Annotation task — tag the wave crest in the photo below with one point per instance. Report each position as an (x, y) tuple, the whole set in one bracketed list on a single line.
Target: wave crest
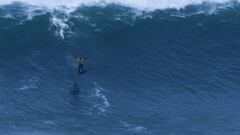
[(138, 4), (63, 13)]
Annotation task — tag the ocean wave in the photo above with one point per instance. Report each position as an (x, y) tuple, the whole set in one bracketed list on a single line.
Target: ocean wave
[(138, 4), (63, 13)]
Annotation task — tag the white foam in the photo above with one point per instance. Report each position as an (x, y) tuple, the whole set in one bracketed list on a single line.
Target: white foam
[(98, 93), (61, 26), (138, 4), (30, 83), (134, 128), (60, 22)]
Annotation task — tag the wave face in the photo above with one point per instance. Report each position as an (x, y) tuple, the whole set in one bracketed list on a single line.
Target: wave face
[(169, 71)]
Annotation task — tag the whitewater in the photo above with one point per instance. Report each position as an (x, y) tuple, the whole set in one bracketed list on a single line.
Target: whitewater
[(62, 10), (153, 67), (139, 4)]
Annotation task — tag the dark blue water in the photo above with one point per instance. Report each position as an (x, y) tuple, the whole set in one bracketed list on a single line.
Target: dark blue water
[(160, 73)]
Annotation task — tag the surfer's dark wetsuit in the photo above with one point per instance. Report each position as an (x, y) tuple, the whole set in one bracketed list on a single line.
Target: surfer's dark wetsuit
[(80, 62)]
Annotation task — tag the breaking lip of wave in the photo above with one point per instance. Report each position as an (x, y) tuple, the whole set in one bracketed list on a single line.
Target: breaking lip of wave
[(61, 11), (138, 4)]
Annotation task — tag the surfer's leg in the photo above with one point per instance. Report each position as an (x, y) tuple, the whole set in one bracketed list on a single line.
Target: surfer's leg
[(79, 69), (82, 69)]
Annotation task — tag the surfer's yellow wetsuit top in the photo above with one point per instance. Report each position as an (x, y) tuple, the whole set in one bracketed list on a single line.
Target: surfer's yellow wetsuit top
[(80, 61)]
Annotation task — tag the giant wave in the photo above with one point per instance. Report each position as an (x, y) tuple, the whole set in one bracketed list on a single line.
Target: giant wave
[(62, 12), (153, 67)]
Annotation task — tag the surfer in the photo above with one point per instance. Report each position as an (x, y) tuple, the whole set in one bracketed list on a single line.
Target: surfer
[(80, 61)]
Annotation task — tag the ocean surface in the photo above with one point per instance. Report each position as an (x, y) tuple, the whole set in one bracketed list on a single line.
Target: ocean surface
[(154, 67)]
